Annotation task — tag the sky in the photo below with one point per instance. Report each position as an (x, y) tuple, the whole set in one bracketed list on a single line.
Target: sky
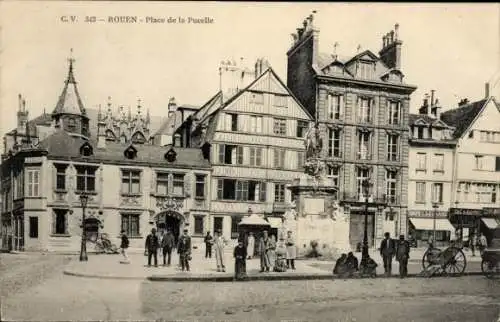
[(452, 48)]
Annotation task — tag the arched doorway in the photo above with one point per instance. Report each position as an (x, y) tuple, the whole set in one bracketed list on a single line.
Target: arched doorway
[(92, 228), (170, 220)]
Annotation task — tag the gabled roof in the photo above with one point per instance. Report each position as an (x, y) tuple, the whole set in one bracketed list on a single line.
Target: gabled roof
[(462, 117), (361, 54), (69, 101), (209, 107), (426, 120)]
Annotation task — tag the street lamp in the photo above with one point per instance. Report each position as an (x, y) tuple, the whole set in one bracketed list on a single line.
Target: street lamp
[(83, 250), (461, 226), (364, 252), (435, 206)]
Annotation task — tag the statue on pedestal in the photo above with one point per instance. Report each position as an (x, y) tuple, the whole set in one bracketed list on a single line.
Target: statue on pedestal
[(314, 144)]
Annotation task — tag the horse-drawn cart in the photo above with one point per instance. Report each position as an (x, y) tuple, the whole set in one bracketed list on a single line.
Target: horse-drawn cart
[(490, 264), (450, 261)]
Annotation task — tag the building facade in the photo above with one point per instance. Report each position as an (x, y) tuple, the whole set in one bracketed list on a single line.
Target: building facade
[(131, 183), (361, 105), (253, 132)]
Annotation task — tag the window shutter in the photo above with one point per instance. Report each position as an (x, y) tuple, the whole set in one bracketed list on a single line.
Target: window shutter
[(328, 106), (54, 219), (66, 219), (497, 164), (54, 177), (263, 191), (276, 158), (341, 103), (371, 116), (188, 184), (220, 189), (228, 122), (222, 148)]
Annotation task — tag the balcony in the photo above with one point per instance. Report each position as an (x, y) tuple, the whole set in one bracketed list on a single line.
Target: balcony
[(359, 199), (334, 154), (364, 156)]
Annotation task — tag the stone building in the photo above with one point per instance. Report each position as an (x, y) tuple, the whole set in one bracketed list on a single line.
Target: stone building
[(361, 104), (132, 184)]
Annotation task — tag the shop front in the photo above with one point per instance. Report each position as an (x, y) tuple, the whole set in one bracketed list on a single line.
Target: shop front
[(484, 221), (422, 229)]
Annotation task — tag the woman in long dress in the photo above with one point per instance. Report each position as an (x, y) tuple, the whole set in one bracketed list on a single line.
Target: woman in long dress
[(264, 246), (219, 252), (250, 245), (240, 267)]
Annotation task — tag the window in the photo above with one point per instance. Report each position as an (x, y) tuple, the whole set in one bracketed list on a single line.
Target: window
[(162, 183), (279, 158), (364, 110), (85, 179), (421, 162), (170, 183), (334, 106), (279, 192), (390, 188), (130, 224), (61, 177), (471, 134), (242, 190), (365, 70), (420, 132), (218, 223), (362, 175), (438, 162), (200, 186), (71, 123), (334, 143), (19, 185), (334, 174), (280, 100), (364, 145), (256, 157), (198, 225), (60, 222), (279, 127), (300, 160), (392, 147), (484, 193), (302, 127), (33, 227), (479, 162), (230, 154), (230, 189), (232, 122), (33, 183), (437, 192), (256, 124), (178, 184), (420, 190), (131, 181), (393, 113), (497, 164), (256, 98), (235, 220)]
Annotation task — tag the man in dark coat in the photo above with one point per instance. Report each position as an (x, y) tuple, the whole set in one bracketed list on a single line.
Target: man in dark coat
[(352, 264), (123, 246), (387, 251), (209, 241), (184, 250), (402, 255), (152, 245), (167, 244)]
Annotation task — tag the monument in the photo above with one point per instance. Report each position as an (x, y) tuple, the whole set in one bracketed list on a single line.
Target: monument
[(316, 214)]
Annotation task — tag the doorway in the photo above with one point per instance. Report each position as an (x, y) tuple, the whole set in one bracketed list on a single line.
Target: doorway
[(357, 228), (169, 220), (91, 229)]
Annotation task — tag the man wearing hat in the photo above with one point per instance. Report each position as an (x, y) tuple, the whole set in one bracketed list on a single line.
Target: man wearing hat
[(151, 246), (184, 250), (403, 255)]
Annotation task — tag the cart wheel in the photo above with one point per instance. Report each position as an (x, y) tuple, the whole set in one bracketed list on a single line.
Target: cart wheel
[(455, 261), (427, 259), (489, 268)]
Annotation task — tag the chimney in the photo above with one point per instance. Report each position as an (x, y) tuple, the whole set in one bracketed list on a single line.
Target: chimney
[(436, 109), (432, 97), (172, 107), (463, 102), (424, 109), (101, 138), (487, 90), (390, 53)]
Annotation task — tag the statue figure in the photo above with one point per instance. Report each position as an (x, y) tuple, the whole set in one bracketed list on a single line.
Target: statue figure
[(314, 143)]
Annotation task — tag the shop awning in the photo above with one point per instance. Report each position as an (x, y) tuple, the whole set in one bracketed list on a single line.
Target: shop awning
[(442, 224), (491, 223), (253, 220), (275, 222)]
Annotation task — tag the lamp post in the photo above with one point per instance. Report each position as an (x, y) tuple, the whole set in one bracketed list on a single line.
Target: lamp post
[(461, 226), (83, 250), (364, 252), (435, 206)]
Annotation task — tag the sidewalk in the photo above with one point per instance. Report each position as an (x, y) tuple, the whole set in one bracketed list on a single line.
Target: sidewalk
[(109, 267)]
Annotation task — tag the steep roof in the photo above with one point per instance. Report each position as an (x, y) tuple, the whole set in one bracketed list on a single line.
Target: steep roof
[(69, 101), (462, 117)]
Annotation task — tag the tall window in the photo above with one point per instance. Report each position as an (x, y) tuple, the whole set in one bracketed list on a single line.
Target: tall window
[(364, 145), (420, 132), (230, 189), (479, 162), (280, 100), (235, 220), (255, 156), (200, 185), (230, 154), (256, 124), (198, 225), (300, 160), (131, 181), (364, 110), (420, 192), (60, 222), (279, 192), (162, 183), (365, 70), (393, 113), (61, 177), (33, 227), (170, 183), (256, 98), (130, 224), (390, 181), (334, 143), (19, 185), (302, 127), (334, 106), (392, 147), (334, 174), (85, 179), (497, 164), (33, 183), (362, 175), (241, 190), (178, 184), (232, 122), (438, 162), (437, 192), (279, 127), (421, 162), (279, 158)]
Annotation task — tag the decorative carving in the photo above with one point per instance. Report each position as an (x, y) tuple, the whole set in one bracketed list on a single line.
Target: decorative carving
[(169, 203), (314, 143), (130, 200)]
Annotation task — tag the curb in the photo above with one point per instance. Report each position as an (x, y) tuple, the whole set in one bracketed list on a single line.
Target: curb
[(230, 278)]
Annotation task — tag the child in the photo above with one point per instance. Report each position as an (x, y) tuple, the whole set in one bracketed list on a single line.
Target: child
[(240, 266), (280, 265)]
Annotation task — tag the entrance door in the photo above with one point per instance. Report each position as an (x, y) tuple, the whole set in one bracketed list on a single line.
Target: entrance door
[(218, 223), (169, 221), (357, 227), (91, 228)]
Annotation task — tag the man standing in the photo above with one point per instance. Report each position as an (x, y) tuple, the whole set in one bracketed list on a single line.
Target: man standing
[(403, 255), (291, 251), (473, 243), (209, 240), (250, 245), (265, 245), (219, 252), (387, 250), (184, 250), (482, 243), (152, 247), (124, 245), (167, 244)]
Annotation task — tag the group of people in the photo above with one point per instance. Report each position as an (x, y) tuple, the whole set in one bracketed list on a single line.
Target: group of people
[(166, 243), (480, 243)]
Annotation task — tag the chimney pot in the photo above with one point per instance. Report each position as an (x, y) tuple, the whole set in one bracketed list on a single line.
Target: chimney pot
[(487, 90), (392, 36), (396, 29), (432, 97), (384, 40)]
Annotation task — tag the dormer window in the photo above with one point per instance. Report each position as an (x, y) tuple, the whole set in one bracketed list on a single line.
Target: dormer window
[(365, 70), (71, 123), (130, 153), (123, 139), (138, 137), (86, 150), (420, 132), (171, 155)]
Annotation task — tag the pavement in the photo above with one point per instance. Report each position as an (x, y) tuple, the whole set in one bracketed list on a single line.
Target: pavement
[(106, 266)]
